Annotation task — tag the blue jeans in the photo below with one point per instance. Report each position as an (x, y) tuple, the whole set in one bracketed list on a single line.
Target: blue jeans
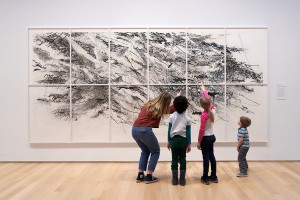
[(148, 143), (243, 164), (207, 147)]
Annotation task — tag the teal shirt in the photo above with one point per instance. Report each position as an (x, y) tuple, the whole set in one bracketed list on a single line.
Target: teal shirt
[(243, 132)]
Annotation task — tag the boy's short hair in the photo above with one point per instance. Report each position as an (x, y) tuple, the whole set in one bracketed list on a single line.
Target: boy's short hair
[(180, 104), (245, 121)]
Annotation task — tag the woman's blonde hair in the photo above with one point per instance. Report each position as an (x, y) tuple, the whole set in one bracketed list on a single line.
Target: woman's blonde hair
[(205, 104), (159, 106)]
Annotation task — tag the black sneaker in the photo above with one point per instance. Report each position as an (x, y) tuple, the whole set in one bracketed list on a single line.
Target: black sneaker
[(140, 177), (213, 179), (151, 179), (205, 180)]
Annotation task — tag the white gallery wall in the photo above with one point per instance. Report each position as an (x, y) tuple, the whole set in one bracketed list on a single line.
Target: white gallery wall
[(280, 17)]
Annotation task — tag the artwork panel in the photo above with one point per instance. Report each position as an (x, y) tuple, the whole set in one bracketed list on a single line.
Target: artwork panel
[(90, 114), (252, 102), (219, 127), (154, 91), (128, 51), (49, 114), (246, 55), (49, 56), (206, 56), (90, 56), (167, 56), (126, 102)]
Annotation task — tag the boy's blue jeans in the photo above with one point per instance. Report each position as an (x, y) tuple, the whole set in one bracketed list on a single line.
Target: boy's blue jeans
[(148, 143), (243, 164)]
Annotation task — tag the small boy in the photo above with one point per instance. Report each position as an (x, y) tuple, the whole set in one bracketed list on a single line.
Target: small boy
[(179, 138), (243, 145)]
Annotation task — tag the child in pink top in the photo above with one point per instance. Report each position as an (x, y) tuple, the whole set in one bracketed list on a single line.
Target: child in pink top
[(207, 138)]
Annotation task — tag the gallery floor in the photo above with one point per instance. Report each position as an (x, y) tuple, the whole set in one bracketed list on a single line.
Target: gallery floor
[(101, 180)]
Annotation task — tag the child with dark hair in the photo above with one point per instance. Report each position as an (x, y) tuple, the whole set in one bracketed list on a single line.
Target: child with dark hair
[(243, 145), (179, 138)]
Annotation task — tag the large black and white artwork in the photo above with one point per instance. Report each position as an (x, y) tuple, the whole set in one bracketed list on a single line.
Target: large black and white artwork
[(88, 85), (90, 56)]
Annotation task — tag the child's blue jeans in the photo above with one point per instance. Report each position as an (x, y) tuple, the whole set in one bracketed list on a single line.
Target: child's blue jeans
[(243, 164), (207, 147)]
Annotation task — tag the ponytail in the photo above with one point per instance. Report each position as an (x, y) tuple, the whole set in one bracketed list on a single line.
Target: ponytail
[(211, 116)]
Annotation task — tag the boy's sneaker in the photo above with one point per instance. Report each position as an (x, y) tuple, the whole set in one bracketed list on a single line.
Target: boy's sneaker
[(213, 179), (242, 175), (151, 179), (205, 180), (140, 177)]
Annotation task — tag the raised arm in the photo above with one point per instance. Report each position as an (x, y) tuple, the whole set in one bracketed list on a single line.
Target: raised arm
[(205, 94)]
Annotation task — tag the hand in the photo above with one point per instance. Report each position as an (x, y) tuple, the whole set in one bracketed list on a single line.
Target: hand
[(238, 148), (188, 148), (169, 146), (203, 88), (178, 94), (199, 145)]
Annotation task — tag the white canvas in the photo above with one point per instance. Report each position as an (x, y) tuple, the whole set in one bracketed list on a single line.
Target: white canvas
[(128, 56), (49, 111), (246, 55), (49, 56), (167, 56), (90, 56), (205, 49), (90, 114)]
